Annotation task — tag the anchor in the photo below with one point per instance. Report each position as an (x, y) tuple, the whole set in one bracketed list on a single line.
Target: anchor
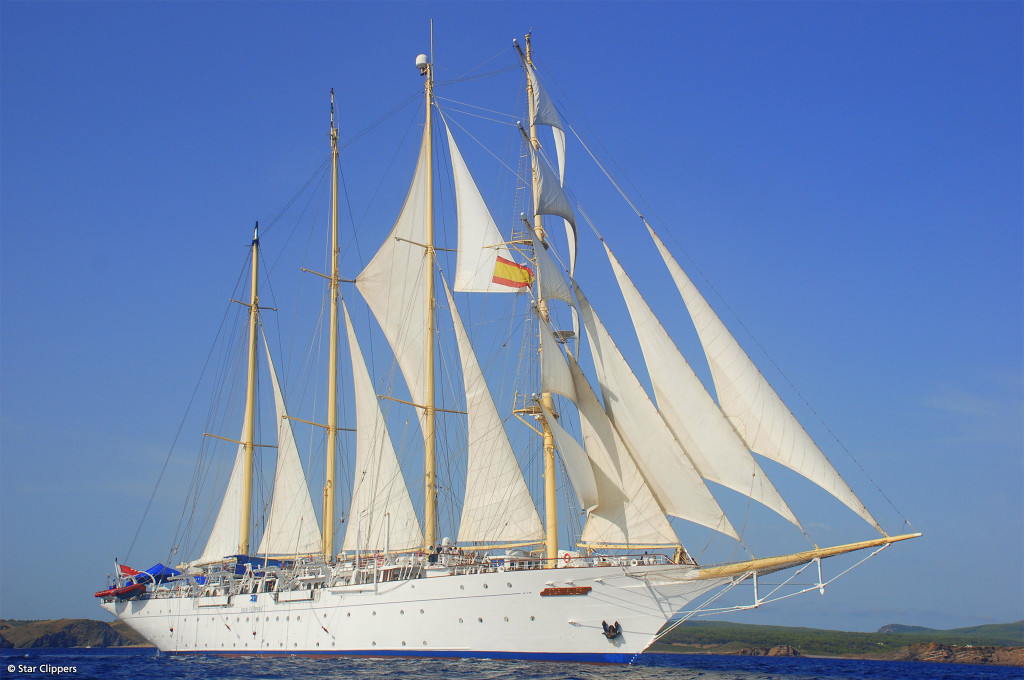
[(613, 631)]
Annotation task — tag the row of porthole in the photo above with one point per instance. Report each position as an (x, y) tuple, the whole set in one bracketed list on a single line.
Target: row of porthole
[(235, 644)]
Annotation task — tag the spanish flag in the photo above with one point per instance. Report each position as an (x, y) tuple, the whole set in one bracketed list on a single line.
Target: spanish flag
[(508, 273)]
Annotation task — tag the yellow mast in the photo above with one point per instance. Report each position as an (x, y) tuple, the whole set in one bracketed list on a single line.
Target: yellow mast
[(550, 488), (429, 432), (327, 546), (249, 424)]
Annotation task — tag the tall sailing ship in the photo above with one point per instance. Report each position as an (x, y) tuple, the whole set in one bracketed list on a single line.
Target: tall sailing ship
[(511, 584)]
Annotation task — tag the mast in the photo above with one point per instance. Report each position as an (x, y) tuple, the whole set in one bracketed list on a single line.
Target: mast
[(249, 424), (429, 432), (550, 488), (327, 546)]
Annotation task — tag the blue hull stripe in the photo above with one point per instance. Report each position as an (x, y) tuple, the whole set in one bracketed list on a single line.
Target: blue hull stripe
[(617, 658)]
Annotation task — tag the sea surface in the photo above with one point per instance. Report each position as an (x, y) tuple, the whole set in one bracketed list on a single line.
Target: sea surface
[(129, 664)]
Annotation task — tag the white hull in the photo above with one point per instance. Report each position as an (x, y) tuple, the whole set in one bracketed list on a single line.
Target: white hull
[(491, 615)]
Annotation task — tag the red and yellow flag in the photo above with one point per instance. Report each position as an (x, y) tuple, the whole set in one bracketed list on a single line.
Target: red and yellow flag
[(508, 273)]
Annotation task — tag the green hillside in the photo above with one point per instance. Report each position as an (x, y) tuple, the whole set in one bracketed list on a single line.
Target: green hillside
[(725, 637)]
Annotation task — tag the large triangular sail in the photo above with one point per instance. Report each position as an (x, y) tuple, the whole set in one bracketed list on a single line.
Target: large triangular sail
[(627, 512), (692, 415), (757, 412), (498, 506), (381, 515), (292, 527), (484, 263), (577, 463), (223, 540), (665, 465), (394, 283)]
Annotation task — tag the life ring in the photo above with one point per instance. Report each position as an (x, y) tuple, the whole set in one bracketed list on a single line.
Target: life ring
[(633, 562), (565, 558)]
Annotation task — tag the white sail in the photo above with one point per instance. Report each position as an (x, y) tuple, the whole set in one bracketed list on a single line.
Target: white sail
[(381, 514), (498, 506), (554, 371), (760, 417), (577, 463), (394, 283), (550, 280), (224, 536), (482, 265), (665, 465), (544, 113), (627, 511), (292, 527), (692, 415), (550, 198)]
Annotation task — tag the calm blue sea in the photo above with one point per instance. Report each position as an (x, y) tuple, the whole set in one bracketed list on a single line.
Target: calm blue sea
[(129, 664)]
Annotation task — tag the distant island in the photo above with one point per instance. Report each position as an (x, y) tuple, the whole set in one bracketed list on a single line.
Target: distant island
[(67, 633), (1001, 644)]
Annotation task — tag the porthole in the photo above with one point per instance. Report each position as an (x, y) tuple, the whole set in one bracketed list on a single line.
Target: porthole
[(533, 618), (509, 585), (485, 586), (480, 619), (348, 613), (421, 611), (462, 587), (460, 619), (506, 619), (401, 611), (375, 613), (403, 643), (374, 643)]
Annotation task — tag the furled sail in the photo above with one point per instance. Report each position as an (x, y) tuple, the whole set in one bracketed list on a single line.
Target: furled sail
[(292, 527), (498, 505), (394, 283), (664, 464), (224, 536), (484, 263), (760, 417), (627, 512), (380, 499), (692, 415)]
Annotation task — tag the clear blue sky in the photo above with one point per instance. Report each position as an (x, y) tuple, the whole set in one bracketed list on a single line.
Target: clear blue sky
[(848, 176)]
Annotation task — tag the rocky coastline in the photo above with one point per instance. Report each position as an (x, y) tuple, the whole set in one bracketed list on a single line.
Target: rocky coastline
[(67, 633)]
